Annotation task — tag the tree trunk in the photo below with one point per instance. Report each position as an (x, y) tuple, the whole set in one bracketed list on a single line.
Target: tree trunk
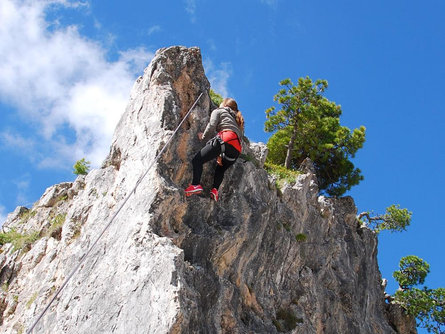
[(290, 148)]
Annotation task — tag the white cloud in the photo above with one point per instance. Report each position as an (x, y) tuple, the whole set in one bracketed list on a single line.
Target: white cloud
[(212, 45), (8, 138), (190, 8), (22, 184), (58, 78), (69, 3), (271, 3), (154, 29), (218, 76)]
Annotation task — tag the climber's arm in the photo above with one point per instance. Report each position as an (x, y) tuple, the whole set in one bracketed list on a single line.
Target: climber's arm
[(211, 127)]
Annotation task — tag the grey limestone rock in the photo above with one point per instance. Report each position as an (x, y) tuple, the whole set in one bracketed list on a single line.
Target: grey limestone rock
[(259, 151), (257, 261)]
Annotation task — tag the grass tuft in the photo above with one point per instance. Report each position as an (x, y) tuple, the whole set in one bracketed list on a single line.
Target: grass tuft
[(300, 237), (283, 174)]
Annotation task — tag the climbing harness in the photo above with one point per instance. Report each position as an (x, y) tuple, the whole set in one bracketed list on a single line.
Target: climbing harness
[(84, 256), (215, 141), (218, 140)]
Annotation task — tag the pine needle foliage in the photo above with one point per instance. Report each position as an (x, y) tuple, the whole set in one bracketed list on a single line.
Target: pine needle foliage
[(307, 125), (427, 305), (394, 219)]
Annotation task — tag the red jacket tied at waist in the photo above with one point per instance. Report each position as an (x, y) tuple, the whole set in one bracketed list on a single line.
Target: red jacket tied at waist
[(231, 138)]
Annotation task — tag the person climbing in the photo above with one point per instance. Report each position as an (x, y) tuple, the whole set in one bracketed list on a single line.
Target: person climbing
[(228, 122)]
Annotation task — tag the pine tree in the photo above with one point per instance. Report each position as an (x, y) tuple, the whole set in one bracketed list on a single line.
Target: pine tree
[(308, 125)]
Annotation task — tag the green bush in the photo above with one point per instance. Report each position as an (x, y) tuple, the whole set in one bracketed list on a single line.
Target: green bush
[(19, 240), (301, 237), (81, 167), (283, 174), (5, 238), (215, 97)]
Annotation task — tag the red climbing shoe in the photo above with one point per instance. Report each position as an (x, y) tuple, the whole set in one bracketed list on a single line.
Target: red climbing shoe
[(193, 190), (214, 194)]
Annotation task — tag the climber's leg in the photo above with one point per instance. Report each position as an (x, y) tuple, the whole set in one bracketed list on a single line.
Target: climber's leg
[(230, 152), (206, 154)]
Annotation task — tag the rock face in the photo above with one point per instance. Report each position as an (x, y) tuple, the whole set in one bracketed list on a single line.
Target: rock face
[(261, 260)]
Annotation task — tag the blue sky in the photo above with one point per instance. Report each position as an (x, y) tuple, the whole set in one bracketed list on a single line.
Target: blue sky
[(67, 68)]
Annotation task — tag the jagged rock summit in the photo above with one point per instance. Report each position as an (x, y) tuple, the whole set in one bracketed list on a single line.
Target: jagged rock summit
[(261, 260)]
